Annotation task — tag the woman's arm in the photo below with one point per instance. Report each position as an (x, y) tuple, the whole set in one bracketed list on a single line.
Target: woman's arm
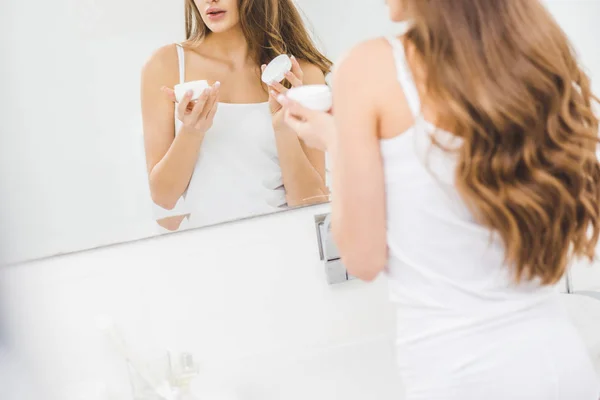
[(170, 159), (302, 167), (172, 223), (358, 203)]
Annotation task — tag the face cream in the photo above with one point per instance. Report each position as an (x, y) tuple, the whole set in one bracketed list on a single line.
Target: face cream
[(275, 71), (314, 97), (197, 87)]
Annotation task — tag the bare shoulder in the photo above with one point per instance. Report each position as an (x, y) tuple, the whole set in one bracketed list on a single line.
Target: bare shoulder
[(366, 64), (162, 65), (312, 73)]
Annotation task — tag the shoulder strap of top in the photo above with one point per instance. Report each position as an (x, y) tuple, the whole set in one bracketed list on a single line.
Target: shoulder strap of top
[(404, 75), (181, 58)]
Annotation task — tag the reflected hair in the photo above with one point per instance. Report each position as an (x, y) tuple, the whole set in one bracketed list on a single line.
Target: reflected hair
[(503, 77), (271, 28)]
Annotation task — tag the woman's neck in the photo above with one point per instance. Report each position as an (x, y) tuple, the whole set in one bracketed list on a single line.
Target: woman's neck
[(230, 46)]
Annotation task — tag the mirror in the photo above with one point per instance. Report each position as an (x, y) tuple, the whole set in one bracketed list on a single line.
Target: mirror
[(93, 150), (225, 152)]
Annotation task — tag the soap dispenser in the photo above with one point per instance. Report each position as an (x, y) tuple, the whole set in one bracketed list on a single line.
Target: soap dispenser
[(187, 371)]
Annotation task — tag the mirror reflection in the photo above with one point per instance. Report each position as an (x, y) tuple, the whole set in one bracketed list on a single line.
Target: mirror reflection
[(216, 144), (112, 151)]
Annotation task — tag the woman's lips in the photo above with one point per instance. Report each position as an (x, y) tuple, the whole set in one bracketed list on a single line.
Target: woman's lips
[(215, 15)]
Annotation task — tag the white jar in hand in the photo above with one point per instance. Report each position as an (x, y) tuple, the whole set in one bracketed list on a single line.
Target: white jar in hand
[(314, 97), (197, 87)]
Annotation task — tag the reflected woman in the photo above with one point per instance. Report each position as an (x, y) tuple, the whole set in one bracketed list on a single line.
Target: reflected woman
[(229, 154), (465, 167)]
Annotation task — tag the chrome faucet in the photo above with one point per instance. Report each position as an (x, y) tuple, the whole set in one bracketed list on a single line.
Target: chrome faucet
[(335, 272)]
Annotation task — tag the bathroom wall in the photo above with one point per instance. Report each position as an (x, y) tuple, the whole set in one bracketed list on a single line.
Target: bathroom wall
[(249, 299), (77, 175)]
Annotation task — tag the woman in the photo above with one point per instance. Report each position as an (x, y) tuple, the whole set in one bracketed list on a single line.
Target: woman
[(465, 167), (230, 155)]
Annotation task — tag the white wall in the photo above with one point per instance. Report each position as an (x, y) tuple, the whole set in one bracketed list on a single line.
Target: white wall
[(249, 299), (73, 171), (339, 25), (579, 19)]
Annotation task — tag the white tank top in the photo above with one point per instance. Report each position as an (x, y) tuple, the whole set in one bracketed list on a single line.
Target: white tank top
[(237, 174), (446, 273)]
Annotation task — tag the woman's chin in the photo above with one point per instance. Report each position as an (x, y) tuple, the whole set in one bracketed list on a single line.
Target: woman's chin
[(397, 18), (217, 30), (219, 27)]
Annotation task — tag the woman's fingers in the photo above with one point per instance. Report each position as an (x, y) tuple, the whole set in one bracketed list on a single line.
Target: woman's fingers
[(295, 109), (296, 70), (274, 94), (213, 111), (212, 99), (293, 121), (278, 87), (182, 107), (295, 76), (200, 103), (296, 116), (170, 93), (293, 79), (314, 128)]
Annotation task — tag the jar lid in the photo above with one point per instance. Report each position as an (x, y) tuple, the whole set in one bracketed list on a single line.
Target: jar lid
[(275, 71)]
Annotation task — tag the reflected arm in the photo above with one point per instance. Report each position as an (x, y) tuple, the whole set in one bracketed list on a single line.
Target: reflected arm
[(170, 159), (302, 168)]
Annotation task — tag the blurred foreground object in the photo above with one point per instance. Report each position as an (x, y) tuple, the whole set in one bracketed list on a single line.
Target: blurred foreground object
[(15, 382)]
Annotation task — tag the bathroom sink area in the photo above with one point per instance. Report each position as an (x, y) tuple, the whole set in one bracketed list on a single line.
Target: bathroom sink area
[(294, 337), (364, 370), (350, 372)]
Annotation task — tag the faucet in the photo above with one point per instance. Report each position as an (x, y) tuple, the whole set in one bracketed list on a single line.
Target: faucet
[(335, 272)]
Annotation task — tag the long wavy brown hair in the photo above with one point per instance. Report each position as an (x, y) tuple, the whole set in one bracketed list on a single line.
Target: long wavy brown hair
[(271, 28), (503, 76)]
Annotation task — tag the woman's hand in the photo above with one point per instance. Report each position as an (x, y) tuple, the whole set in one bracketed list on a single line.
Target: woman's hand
[(196, 116), (295, 78), (315, 128)]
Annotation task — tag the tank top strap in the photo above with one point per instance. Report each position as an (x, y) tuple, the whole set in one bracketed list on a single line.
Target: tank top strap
[(181, 59), (404, 75)]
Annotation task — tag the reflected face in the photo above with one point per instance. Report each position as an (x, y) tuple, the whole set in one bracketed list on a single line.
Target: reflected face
[(219, 15), (397, 10)]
